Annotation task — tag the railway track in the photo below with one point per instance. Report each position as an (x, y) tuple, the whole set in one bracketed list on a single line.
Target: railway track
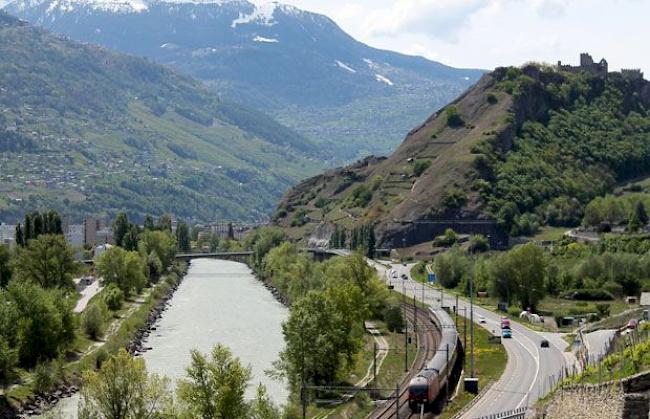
[(427, 345)]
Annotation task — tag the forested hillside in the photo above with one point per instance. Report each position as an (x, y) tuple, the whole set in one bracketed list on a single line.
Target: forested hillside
[(525, 147), (85, 130)]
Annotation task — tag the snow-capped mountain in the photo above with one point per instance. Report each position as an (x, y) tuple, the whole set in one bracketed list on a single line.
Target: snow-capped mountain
[(297, 66)]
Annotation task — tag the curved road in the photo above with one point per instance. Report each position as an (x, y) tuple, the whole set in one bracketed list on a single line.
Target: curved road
[(531, 370)]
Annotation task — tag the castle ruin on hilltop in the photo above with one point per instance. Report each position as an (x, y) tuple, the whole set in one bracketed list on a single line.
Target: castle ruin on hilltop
[(598, 69)]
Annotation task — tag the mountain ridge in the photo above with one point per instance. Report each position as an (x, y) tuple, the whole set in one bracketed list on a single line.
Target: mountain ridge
[(299, 67)]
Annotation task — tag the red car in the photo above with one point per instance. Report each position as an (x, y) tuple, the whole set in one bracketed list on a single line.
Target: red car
[(632, 324)]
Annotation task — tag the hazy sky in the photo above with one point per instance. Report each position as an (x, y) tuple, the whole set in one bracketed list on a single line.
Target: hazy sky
[(489, 33)]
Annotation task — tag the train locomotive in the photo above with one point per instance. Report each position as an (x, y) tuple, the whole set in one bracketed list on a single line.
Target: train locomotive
[(432, 381)]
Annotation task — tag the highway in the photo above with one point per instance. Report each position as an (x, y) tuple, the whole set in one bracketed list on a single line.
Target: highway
[(530, 370)]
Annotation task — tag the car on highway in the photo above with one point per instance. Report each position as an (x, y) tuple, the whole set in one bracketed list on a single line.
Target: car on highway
[(505, 322), (404, 276), (482, 320), (544, 343), (506, 333), (632, 324)]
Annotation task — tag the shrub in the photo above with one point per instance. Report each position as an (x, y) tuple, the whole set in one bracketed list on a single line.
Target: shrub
[(100, 356), (393, 318), (588, 294), (420, 166), (448, 239), (514, 311), (113, 297), (299, 219), (92, 321), (453, 198), (454, 119), (603, 309), (478, 244), (492, 99), (8, 360), (44, 378), (320, 202)]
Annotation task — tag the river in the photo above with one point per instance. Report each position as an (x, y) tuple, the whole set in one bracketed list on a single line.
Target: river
[(218, 302)]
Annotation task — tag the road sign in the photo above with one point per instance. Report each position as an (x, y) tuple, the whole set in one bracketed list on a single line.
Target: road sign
[(431, 277)]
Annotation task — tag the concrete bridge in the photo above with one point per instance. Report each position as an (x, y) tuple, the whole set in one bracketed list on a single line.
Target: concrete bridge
[(236, 256), (241, 256)]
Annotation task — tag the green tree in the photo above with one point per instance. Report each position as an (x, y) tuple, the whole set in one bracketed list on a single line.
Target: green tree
[(478, 244), (113, 297), (262, 407), (323, 335), (130, 241), (123, 389), (165, 223), (48, 261), (521, 273), (394, 318), (8, 360), (148, 223), (183, 237), (639, 217), (42, 321), (20, 236), (261, 241), (92, 321), (120, 228), (5, 266), (214, 388), (451, 267), (162, 243), (123, 269), (53, 224)]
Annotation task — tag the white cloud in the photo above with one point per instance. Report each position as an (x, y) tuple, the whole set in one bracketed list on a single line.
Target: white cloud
[(550, 8), (490, 33), (436, 18)]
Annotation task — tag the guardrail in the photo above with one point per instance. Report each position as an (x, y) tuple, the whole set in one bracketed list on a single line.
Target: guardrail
[(510, 414)]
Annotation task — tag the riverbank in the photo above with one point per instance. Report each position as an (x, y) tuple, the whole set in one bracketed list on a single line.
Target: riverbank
[(135, 324)]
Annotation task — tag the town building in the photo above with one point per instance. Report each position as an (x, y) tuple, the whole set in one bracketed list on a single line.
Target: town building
[(74, 234), (7, 234)]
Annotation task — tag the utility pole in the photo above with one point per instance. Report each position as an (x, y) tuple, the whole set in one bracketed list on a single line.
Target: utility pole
[(471, 323), (415, 306), (423, 292), (406, 331), (456, 309), (442, 296)]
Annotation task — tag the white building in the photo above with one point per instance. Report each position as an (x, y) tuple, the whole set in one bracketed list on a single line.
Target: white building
[(74, 235), (7, 234), (99, 250)]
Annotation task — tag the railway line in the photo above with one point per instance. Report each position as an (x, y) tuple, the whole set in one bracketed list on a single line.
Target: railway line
[(428, 338)]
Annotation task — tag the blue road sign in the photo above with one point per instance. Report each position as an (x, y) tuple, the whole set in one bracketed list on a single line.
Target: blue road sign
[(432, 277)]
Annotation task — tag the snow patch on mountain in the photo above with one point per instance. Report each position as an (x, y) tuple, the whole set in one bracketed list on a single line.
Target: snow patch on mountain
[(345, 67), (265, 40), (115, 6), (384, 79), (261, 14)]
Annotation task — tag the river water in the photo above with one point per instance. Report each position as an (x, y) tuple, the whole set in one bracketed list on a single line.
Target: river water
[(217, 302)]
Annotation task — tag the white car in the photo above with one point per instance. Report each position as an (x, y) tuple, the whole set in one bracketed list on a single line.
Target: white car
[(482, 320)]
